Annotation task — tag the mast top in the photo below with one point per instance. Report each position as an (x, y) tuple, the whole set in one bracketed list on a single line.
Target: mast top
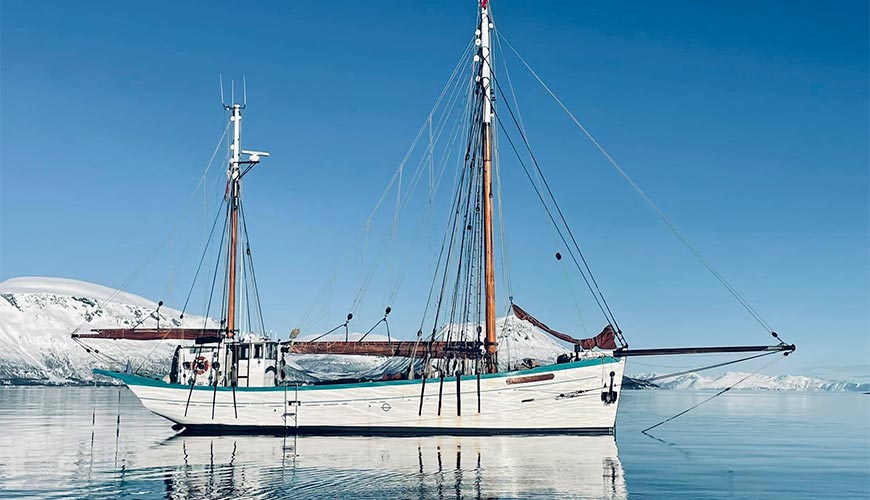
[(485, 64)]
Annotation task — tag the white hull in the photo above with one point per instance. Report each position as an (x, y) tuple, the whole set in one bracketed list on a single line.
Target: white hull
[(564, 398)]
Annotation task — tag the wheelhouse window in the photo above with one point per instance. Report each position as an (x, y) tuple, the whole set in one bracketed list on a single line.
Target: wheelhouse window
[(258, 351), (243, 352)]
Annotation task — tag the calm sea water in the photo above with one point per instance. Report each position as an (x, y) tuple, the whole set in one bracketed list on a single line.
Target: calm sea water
[(101, 443)]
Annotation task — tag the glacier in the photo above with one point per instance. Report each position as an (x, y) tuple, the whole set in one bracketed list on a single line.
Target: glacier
[(755, 382)]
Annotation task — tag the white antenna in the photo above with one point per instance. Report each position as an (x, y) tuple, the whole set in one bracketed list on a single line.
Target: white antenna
[(233, 91), (221, 78), (244, 91)]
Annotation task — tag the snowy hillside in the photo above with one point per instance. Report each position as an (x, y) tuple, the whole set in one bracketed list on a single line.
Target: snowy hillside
[(37, 316), (757, 382)]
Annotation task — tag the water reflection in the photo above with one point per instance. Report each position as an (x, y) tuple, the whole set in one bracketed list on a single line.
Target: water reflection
[(100, 443), (95, 443), (435, 467)]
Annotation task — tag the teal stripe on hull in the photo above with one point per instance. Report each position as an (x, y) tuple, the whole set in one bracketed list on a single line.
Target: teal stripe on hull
[(131, 379)]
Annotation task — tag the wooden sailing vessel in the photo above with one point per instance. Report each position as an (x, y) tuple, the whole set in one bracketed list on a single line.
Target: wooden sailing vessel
[(228, 380)]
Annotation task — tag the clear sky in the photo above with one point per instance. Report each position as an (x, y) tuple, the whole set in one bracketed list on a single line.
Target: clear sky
[(746, 121)]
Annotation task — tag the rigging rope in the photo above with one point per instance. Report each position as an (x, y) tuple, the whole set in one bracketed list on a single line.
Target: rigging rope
[(555, 224), (461, 300), (96, 353), (216, 267), (343, 325), (416, 139), (522, 129), (664, 217), (425, 219), (415, 180), (505, 258), (201, 260), (253, 275), (444, 244), (158, 248), (594, 283), (326, 289), (187, 241), (708, 367), (208, 306), (714, 396)]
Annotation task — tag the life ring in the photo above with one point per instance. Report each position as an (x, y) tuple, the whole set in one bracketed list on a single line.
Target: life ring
[(200, 364)]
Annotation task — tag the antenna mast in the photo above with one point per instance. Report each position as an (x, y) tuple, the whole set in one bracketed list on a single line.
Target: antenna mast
[(235, 175), (486, 130)]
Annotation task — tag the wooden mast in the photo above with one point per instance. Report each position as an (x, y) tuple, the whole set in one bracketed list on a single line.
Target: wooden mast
[(486, 141), (231, 302), (234, 175)]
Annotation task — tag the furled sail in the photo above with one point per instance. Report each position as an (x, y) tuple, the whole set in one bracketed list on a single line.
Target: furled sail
[(152, 334), (407, 349), (604, 340)]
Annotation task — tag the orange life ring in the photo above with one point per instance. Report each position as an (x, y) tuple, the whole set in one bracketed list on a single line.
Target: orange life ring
[(200, 364)]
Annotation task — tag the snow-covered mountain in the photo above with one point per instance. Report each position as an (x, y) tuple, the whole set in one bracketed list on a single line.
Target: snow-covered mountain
[(757, 382), (37, 316)]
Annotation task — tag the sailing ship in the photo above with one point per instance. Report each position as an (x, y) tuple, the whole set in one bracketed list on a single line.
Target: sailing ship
[(228, 380)]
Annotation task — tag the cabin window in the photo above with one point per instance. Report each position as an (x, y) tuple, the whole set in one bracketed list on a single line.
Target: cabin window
[(271, 352), (258, 351), (243, 352)]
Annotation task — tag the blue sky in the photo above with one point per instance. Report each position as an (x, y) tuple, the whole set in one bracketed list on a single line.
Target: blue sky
[(746, 121)]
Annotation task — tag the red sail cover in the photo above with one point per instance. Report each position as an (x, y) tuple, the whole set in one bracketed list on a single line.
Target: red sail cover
[(604, 340), (403, 348), (150, 333)]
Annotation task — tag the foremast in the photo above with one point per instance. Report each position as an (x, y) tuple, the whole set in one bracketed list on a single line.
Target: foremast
[(485, 80), (234, 189), (234, 175)]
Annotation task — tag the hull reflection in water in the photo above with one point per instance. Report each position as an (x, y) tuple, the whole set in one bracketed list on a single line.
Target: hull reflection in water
[(451, 467)]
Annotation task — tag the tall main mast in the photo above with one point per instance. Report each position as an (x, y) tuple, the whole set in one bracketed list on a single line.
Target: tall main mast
[(486, 140), (234, 180)]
